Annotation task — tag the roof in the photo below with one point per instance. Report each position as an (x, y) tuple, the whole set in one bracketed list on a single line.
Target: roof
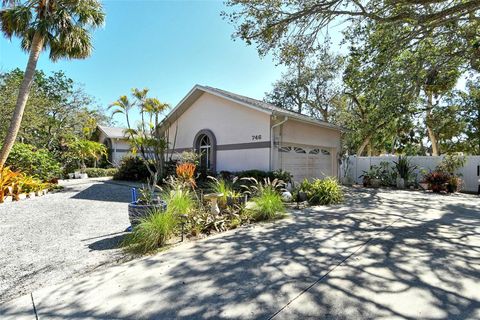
[(260, 105), (113, 132)]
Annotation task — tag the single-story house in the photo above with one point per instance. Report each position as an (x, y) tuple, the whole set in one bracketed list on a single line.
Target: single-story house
[(116, 142), (237, 133)]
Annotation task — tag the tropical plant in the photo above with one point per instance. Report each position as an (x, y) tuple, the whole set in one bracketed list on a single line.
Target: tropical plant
[(268, 204), (404, 169), (437, 180), (132, 169), (61, 26), (451, 163), (146, 139), (322, 191), (34, 162), (186, 173), (82, 151), (255, 187), (179, 200), (7, 178), (151, 233)]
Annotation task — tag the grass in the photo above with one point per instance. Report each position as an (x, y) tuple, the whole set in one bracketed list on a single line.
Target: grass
[(151, 233), (268, 205)]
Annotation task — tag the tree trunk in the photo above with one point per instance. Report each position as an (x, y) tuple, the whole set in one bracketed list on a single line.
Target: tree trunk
[(428, 122), (35, 50), (364, 144)]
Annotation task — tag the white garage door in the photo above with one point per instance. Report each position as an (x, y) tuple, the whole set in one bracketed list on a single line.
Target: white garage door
[(305, 161)]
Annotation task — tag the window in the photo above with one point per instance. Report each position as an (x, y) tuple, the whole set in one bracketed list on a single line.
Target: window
[(205, 147), (285, 149), (299, 150), (314, 151), (325, 152)]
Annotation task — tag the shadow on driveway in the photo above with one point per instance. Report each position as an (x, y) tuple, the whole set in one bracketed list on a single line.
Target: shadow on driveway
[(380, 255)]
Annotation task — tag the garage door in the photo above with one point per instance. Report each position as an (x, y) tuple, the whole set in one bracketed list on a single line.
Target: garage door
[(305, 161)]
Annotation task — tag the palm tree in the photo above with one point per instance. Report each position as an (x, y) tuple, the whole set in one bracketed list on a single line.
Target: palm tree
[(62, 26)]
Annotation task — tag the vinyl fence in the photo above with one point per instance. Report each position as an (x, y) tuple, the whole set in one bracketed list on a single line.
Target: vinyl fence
[(354, 167)]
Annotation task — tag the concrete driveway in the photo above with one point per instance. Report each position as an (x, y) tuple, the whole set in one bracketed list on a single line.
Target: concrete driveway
[(381, 255)]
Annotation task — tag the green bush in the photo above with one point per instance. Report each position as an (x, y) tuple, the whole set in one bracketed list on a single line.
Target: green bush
[(179, 201), (268, 205), (33, 161), (132, 169), (151, 233), (100, 172), (322, 192)]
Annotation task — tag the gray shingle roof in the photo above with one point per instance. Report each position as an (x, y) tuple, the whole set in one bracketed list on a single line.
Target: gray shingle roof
[(113, 132)]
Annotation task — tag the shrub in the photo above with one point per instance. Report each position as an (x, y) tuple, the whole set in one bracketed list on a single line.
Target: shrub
[(179, 201), (151, 233), (437, 180), (132, 169), (33, 161), (268, 204), (322, 191), (100, 172), (451, 163)]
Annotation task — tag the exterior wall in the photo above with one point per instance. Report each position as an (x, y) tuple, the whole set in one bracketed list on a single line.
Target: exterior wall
[(354, 166), (237, 130), (301, 133), (120, 149), (241, 160)]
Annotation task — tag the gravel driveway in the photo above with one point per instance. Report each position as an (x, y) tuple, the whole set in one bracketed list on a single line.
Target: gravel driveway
[(45, 240)]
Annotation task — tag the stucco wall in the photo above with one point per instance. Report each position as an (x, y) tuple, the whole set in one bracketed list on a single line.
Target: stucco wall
[(119, 150), (304, 133), (301, 133), (230, 122), (241, 160)]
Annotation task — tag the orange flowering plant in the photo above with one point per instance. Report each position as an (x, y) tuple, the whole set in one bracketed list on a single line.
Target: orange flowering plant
[(186, 173)]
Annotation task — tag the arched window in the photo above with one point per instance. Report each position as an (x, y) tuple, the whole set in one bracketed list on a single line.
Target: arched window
[(206, 145), (205, 149)]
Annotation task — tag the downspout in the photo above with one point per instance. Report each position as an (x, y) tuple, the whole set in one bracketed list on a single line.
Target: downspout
[(272, 138)]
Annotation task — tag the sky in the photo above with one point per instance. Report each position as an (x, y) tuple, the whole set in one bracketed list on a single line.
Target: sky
[(166, 46)]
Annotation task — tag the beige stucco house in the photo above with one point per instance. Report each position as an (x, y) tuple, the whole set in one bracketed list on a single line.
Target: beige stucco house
[(116, 142), (236, 133)]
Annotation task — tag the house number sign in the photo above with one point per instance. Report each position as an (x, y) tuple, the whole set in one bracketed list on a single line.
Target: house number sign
[(256, 137)]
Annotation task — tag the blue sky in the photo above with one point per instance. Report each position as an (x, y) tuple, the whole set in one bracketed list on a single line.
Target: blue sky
[(167, 46)]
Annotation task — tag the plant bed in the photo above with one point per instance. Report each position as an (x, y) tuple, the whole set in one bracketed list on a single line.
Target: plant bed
[(139, 210)]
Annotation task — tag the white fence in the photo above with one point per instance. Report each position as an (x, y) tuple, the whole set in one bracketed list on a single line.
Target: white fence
[(470, 173)]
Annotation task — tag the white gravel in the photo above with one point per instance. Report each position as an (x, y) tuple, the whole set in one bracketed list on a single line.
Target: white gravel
[(49, 239)]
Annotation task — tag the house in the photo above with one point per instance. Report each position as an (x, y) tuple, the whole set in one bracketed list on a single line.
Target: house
[(115, 141), (236, 133)]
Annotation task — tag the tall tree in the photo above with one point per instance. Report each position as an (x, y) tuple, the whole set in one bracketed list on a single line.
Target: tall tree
[(310, 86), (281, 25), (62, 26)]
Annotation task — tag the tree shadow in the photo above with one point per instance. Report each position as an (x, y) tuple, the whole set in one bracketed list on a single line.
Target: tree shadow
[(381, 254), (105, 191)]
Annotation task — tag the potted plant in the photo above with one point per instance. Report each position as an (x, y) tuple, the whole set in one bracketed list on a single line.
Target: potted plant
[(437, 181), (147, 203), (404, 171)]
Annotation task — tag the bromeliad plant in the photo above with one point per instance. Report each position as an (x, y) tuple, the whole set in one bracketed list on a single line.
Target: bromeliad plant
[(186, 174)]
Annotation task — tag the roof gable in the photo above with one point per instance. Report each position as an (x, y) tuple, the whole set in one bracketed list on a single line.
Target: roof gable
[(258, 105)]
